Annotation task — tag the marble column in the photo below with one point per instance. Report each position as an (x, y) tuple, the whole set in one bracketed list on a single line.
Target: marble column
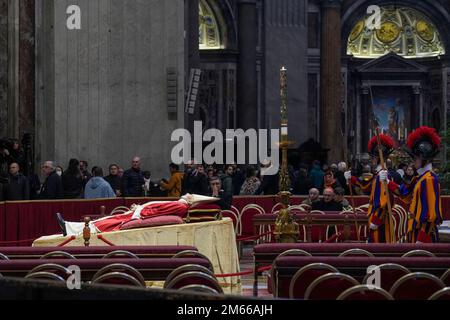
[(13, 69), (246, 78), (366, 123), (26, 67), (3, 67), (415, 111), (331, 82)]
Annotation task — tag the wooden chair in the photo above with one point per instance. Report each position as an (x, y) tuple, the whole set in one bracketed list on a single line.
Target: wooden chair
[(416, 286), (118, 278), (389, 274), (187, 268), (419, 253), (192, 254), (329, 286), (57, 255), (194, 277), (121, 268), (231, 214), (443, 294), (45, 276), (120, 254), (446, 278), (56, 269), (3, 257), (365, 292), (355, 253), (199, 288), (303, 278)]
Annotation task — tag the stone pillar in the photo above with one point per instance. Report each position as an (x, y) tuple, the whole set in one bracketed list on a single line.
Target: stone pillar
[(26, 67), (246, 78), (331, 82), (415, 111), (192, 49), (366, 123), (13, 69)]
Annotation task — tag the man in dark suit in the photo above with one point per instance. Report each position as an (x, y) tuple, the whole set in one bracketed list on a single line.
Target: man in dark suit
[(52, 187), (17, 188)]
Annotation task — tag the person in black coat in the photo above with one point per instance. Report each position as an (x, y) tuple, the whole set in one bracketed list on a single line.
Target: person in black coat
[(133, 180), (73, 181), (328, 203), (17, 188), (216, 191), (52, 187), (197, 181), (114, 180)]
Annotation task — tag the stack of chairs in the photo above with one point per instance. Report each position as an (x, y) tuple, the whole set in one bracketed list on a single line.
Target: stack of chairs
[(181, 267), (340, 271)]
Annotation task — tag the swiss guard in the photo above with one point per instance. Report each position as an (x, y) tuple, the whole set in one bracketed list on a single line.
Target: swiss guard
[(371, 184), (423, 192)]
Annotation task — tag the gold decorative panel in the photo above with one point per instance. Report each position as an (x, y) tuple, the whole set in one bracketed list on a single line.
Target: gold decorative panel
[(405, 31)]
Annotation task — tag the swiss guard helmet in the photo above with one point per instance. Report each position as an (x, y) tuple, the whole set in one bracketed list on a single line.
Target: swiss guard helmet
[(424, 142), (387, 146)]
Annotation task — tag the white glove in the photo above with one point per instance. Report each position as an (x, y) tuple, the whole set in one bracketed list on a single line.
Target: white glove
[(348, 175), (6, 152), (373, 226), (383, 176)]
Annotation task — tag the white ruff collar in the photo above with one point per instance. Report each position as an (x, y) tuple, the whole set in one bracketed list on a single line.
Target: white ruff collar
[(428, 167)]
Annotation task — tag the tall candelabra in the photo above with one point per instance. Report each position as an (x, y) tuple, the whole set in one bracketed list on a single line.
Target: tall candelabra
[(286, 229)]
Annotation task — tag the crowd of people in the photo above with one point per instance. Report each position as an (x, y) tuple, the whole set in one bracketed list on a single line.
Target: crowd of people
[(78, 182)]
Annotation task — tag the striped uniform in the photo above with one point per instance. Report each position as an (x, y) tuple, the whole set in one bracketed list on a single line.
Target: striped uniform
[(377, 212), (423, 196)]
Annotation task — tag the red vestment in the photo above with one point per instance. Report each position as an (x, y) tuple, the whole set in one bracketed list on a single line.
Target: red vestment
[(150, 210)]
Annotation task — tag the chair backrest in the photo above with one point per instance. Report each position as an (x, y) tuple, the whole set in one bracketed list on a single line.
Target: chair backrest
[(236, 222), (3, 257), (419, 253), (192, 254), (389, 274), (443, 294), (446, 278), (194, 277), (199, 288), (120, 254), (416, 286), (187, 268), (45, 276), (57, 255), (56, 269), (329, 286), (276, 207), (119, 210), (365, 292), (121, 268), (245, 217), (118, 278), (356, 252), (305, 276)]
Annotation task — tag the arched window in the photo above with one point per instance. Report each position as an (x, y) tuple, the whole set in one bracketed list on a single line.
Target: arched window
[(209, 30), (405, 31)]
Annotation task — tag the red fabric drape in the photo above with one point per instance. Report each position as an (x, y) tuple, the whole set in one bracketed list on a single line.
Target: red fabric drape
[(31, 220)]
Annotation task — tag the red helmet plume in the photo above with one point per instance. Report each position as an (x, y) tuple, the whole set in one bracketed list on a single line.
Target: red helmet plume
[(387, 144), (424, 142)]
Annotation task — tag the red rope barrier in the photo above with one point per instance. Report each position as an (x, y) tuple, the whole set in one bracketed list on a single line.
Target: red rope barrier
[(243, 273), (62, 244), (100, 237), (254, 237)]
